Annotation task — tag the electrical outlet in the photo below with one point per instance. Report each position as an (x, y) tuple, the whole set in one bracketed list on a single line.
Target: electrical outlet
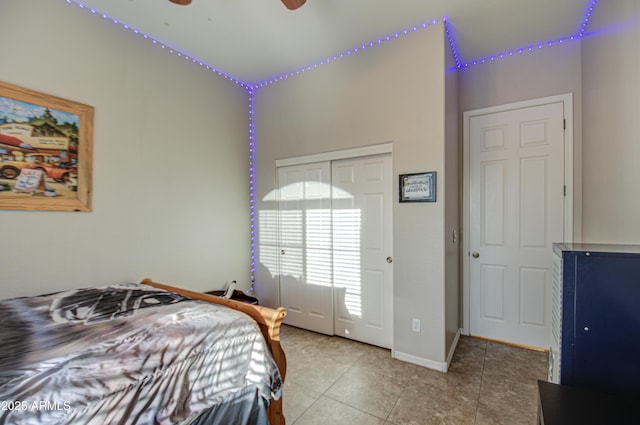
[(415, 325)]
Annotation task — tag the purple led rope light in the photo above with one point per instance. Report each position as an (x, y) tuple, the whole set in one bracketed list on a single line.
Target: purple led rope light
[(162, 45), (252, 87), (344, 54), (448, 30), (517, 51), (587, 17), (533, 47), (250, 91), (252, 184)]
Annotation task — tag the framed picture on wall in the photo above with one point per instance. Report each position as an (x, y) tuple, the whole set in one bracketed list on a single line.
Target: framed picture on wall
[(418, 187), (46, 149)]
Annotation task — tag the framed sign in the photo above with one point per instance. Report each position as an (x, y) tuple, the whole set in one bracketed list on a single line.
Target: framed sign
[(48, 140), (418, 187)]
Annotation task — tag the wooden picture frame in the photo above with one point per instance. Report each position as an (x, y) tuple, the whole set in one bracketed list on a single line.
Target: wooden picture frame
[(418, 187), (46, 151)]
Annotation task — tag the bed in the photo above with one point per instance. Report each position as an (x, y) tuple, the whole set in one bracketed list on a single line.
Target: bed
[(143, 353)]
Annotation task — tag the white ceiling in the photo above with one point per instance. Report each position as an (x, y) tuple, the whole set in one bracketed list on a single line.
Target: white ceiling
[(254, 40)]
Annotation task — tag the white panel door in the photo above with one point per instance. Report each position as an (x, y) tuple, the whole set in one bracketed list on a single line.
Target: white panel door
[(306, 272), (362, 249), (516, 172)]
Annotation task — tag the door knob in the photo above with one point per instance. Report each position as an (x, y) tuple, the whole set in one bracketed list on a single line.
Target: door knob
[(475, 254), (389, 260)]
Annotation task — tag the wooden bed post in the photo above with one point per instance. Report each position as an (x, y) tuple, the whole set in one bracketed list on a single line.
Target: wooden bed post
[(269, 320)]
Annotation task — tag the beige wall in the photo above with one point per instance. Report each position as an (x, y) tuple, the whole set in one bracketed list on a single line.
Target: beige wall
[(170, 189), (391, 93), (452, 220), (611, 146), (546, 72), (183, 142), (601, 72)]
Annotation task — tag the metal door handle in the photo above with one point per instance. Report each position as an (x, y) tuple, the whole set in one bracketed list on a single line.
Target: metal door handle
[(389, 260), (475, 254)]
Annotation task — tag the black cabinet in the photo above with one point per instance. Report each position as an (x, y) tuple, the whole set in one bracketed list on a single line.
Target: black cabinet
[(565, 405), (596, 317)]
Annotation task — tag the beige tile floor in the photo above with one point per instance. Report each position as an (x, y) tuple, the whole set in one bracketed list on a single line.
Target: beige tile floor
[(331, 380)]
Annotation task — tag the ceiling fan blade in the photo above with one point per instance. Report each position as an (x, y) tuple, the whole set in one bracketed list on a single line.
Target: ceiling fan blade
[(293, 4), (181, 2)]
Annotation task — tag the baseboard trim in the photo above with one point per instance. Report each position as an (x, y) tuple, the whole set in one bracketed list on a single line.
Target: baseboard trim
[(420, 361), (452, 349), (430, 364), (513, 344)]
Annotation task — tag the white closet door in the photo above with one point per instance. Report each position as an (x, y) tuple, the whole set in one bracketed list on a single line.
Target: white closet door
[(516, 213), (362, 249), (306, 272)]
